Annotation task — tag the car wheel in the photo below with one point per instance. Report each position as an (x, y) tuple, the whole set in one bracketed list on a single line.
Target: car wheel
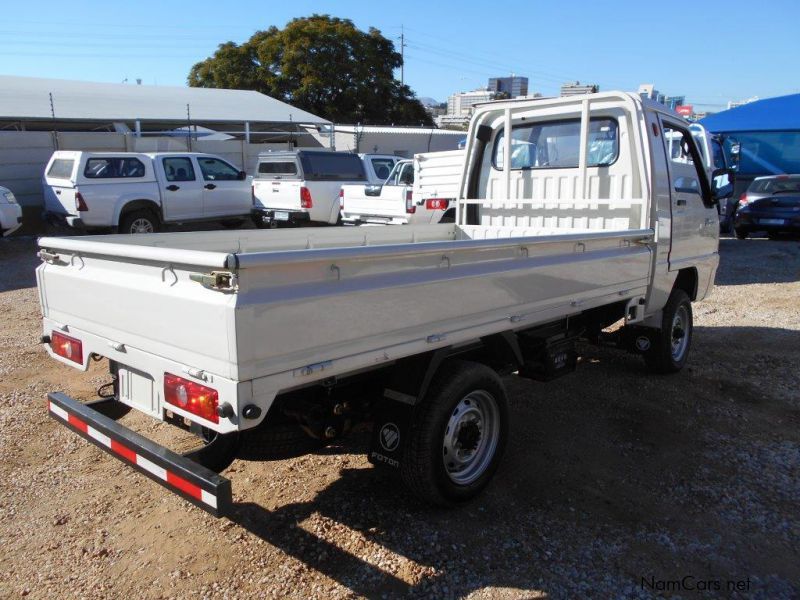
[(741, 234), (669, 349), (139, 221), (457, 434)]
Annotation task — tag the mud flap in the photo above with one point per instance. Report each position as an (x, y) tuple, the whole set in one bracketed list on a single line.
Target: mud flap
[(389, 434)]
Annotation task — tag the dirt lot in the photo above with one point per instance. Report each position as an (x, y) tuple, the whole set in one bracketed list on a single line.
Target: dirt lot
[(616, 483)]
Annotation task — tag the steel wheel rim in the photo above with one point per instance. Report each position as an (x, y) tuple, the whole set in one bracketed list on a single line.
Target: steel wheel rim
[(141, 225), (471, 437), (680, 333)]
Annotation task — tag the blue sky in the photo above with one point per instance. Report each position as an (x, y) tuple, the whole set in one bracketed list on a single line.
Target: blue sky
[(711, 51)]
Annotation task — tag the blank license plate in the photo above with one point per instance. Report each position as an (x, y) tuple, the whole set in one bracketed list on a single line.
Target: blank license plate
[(137, 389), (771, 221), (281, 216)]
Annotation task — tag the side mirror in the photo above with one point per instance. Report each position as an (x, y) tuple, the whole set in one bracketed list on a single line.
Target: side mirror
[(722, 183), (242, 175)]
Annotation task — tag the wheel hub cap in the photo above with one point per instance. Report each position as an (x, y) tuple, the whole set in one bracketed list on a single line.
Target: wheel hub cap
[(471, 437)]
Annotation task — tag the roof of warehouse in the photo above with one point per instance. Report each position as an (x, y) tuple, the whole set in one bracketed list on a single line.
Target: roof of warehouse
[(29, 98), (392, 129), (773, 114)]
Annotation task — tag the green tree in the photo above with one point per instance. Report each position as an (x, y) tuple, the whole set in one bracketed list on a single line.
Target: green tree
[(322, 64)]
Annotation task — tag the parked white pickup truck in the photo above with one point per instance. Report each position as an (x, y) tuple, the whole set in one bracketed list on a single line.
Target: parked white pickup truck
[(571, 217), (301, 187), (10, 212), (138, 193), (416, 192)]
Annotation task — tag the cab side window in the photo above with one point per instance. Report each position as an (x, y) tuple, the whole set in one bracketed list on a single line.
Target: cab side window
[(685, 178), (178, 169), (217, 170)]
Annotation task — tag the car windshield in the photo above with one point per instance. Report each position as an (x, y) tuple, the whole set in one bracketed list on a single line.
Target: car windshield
[(776, 185)]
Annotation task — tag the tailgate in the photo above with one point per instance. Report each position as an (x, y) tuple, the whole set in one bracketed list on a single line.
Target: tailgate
[(139, 298), (390, 202), (274, 193)]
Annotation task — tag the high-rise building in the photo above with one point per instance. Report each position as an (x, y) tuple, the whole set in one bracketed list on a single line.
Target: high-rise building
[(648, 92), (577, 88), (514, 86), (459, 107)]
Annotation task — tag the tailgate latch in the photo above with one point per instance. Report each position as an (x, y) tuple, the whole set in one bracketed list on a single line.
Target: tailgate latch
[(223, 281), (50, 257)]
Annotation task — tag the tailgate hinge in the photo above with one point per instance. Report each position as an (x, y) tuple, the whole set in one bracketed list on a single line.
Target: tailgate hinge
[(50, 257), (222, 281)]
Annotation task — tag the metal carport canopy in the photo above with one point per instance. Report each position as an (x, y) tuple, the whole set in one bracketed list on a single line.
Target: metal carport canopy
[(772, 114), (28, 98)]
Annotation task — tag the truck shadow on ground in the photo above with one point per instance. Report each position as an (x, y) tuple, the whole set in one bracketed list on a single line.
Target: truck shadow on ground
[(606, 475)]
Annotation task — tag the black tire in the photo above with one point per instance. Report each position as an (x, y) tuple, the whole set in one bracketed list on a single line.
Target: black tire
[(277, 442), (774, 235), (218, 451), (664, 356), (423, 467), (134, 221), (741, 234), (232, 223)]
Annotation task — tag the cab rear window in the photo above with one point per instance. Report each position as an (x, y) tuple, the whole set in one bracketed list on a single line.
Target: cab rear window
[(61, 168), (277, 168), (332, 166)]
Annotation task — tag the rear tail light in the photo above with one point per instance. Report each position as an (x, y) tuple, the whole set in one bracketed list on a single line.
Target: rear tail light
[(305, 198), (341, 199), (743, 199), (436, 204), (67, 347), (410, 208), (80, 203), (191, 397)]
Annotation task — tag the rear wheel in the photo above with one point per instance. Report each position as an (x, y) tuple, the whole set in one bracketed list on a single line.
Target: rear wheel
[(457, 434), (139, 221), (670, 348)]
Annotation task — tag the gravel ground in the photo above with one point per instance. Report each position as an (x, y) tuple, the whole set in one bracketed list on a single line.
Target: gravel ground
[(616, 483)]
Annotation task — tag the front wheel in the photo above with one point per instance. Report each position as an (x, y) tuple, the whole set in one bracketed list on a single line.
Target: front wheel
[(670, 349), (457, 434)]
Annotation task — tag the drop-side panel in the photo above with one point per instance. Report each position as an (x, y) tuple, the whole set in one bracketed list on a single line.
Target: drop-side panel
[(293, 314)]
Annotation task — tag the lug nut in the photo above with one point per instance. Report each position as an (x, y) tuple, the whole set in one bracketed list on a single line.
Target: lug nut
[(330, 432), (338, 409)]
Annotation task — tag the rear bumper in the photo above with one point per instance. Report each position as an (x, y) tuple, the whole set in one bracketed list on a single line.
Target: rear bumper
[(270, 215), (193, 482), (63, 219)]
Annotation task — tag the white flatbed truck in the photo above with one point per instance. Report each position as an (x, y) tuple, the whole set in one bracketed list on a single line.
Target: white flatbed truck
[(238, 334)]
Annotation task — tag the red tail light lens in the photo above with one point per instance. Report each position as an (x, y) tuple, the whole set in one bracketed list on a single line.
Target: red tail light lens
[(743, 199), (80, 203), (305, 198), (341, 199), (67, 347), (410, 208), (192, 397), (436, 203)]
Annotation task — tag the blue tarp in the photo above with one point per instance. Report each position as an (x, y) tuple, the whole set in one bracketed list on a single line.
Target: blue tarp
[(773, 114)]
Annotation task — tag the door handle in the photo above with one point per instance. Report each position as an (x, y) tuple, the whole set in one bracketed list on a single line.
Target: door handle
[(210, 186), (173, 188), (680, 202)]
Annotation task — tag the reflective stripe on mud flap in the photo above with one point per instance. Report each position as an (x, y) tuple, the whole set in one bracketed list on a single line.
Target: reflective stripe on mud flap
[(199, 485)]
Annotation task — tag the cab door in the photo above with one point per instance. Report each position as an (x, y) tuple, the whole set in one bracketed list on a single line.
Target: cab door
[(225, 191), (181, 190), (695, 224)]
